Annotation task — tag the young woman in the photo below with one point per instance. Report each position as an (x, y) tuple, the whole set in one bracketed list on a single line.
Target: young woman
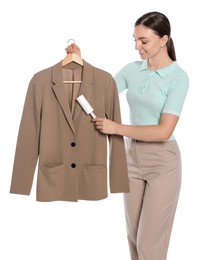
[(156, 90)]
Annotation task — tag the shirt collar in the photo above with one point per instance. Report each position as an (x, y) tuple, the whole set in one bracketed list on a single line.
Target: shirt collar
[(161, 72)]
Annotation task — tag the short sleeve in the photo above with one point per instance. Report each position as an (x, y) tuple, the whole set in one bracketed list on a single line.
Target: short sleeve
[(120, 79), (176, 94)]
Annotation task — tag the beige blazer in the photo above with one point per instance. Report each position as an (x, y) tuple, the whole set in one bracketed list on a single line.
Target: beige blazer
[(71, 154)]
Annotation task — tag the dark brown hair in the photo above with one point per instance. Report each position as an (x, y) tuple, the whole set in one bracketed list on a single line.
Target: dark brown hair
[(160, 24)]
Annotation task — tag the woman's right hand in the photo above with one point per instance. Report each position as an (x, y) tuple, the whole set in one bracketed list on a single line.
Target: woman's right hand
[(73, 48)]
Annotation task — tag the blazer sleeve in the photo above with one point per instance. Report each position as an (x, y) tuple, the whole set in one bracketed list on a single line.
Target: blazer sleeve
[(27, 147), (117, 157)]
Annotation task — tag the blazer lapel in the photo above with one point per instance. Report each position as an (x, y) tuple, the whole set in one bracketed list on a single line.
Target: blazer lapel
[(85, 89), (61, 94)]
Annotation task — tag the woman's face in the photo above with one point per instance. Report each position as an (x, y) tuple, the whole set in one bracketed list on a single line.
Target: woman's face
[(147, 42)]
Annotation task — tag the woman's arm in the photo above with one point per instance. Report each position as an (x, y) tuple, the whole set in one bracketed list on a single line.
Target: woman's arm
[(147, 133)]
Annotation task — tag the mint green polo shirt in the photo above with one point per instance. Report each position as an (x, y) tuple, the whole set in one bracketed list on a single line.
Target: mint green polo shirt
[(151, 93)]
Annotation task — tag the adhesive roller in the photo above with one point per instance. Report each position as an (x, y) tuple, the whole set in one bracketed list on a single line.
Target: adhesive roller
[(85, 105)]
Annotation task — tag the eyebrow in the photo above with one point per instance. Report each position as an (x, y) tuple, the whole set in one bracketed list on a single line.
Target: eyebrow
[(141, 38)]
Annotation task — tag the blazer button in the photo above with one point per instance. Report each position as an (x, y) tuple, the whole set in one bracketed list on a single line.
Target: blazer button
[(73, 165), (73, 144)]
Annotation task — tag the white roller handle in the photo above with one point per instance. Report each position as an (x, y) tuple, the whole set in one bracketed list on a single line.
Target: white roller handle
[(86, 106)]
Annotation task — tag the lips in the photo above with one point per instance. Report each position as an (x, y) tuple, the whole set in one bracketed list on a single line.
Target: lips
[(142, 51), (143, 55)]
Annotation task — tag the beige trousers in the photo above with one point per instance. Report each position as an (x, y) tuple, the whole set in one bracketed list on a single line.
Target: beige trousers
[(155, 176)]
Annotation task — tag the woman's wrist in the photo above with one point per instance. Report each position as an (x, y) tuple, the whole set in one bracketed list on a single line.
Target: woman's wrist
[(118, 129)]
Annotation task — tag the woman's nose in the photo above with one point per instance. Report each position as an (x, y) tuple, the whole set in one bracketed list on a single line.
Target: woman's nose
[(137, 46)]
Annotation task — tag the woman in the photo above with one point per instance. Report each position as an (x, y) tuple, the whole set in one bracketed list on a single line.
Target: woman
[(156, 90)]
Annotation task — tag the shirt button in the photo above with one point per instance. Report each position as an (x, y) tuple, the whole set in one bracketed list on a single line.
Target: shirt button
[(73, 144), (73, 165)]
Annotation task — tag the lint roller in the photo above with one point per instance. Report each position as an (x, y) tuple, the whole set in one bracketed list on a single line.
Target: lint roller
[(85, 105)]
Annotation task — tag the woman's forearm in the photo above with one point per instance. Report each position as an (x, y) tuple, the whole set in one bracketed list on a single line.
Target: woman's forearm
[(151, 133), (147, 133)]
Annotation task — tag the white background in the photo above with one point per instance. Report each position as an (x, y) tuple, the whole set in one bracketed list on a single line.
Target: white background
[(34, 34)]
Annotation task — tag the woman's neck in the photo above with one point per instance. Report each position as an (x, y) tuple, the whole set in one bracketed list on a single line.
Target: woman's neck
[(156, 63)]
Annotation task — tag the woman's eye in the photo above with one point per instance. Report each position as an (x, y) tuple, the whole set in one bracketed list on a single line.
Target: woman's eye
[(144, 42)]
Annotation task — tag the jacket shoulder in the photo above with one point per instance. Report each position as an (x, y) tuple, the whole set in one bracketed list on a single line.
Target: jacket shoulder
[(99, 71), (44, 73)]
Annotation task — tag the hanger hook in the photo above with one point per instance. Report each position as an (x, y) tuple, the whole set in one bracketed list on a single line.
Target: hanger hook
[(70, 40)]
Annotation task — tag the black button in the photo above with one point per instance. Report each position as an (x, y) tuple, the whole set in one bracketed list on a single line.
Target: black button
[(73, 165), (73, 144)]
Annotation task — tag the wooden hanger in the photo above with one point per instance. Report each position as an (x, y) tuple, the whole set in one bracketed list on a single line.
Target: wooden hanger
[(72, 57)]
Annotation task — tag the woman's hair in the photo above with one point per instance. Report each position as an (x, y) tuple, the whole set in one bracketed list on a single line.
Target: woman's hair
[(160, 24)]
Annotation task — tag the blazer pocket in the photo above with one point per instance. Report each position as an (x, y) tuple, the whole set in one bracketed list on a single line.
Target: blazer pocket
[(51, 179), (94, 179), (51, 166), (94, 166)]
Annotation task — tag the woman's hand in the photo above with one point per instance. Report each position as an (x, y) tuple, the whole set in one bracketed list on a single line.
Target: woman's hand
[(106, 126), (73, 48)]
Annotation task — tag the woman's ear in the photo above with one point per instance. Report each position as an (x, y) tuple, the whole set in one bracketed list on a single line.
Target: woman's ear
[(164, 40)]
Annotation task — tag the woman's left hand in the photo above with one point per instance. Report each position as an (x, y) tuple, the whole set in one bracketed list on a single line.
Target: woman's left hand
[(106, 126)]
